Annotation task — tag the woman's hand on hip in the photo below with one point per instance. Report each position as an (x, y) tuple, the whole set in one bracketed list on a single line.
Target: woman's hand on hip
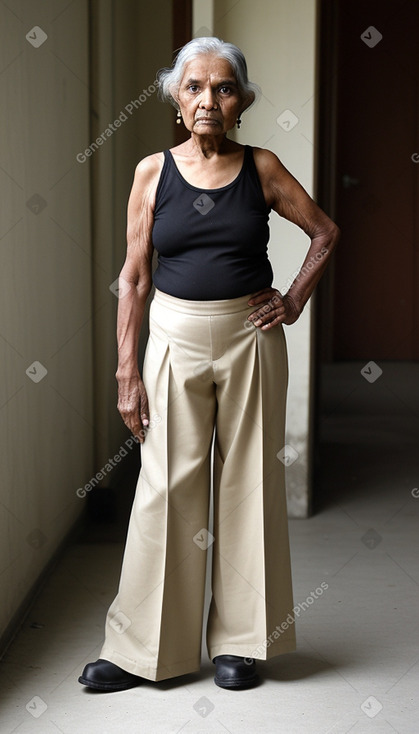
[(133, 404), (273, 309)]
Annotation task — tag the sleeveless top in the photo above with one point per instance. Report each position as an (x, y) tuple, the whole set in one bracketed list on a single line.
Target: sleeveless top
[(211, 243)]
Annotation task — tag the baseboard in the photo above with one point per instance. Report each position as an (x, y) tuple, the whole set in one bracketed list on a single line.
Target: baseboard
[(26, 605)]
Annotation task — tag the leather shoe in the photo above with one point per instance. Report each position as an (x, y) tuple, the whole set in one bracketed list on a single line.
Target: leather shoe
[(105, 676), (232, 671)]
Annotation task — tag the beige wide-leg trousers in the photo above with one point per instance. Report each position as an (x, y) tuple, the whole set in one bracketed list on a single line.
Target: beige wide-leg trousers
[(206, 368)]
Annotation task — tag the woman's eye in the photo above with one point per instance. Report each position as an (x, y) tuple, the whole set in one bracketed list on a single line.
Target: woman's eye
[(225, 90), (193, 88)]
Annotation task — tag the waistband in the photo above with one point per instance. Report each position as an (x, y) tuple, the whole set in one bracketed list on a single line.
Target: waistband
[(204, 308)]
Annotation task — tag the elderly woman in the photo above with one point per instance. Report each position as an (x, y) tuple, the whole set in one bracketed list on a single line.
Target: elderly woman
[(214, 379)]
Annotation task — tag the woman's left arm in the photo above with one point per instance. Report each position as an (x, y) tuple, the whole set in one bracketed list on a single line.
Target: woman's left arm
[(288, 198)]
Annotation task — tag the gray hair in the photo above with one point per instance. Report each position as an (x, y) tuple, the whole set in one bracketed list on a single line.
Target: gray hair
[(169, 78)]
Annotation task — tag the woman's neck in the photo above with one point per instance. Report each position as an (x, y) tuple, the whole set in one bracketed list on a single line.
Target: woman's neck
[(206, 146)]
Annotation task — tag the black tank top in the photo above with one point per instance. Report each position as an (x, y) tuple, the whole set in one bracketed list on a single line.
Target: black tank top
[(211, 243)]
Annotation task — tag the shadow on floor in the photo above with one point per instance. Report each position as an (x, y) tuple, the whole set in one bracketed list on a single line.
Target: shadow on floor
[(367, 432)]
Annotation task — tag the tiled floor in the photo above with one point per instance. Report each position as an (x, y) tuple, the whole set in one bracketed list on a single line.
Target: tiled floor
[(356, 668)]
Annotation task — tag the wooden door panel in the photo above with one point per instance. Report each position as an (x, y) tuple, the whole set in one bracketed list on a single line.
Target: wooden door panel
[(376, 264)]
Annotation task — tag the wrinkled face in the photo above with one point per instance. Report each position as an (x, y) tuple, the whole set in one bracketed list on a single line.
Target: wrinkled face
[(208, 96)]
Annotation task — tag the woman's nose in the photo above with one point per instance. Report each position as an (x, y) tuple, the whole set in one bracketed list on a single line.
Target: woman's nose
[(208, 99)]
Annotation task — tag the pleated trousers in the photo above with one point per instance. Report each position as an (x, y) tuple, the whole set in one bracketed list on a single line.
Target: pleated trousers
[(212, 378)]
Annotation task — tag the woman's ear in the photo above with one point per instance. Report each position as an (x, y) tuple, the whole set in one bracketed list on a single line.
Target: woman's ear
[(174, 93), (247, 101)]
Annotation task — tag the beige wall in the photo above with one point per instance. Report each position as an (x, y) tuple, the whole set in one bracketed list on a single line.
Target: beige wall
[(131, 41), (55, 303), (46, 430), (278, 38)]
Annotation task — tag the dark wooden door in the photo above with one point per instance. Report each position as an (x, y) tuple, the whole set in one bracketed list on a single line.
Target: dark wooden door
[(376, 124)]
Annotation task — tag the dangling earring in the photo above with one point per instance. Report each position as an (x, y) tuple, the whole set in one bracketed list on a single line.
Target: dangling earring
[(239, 122), (178, 118)]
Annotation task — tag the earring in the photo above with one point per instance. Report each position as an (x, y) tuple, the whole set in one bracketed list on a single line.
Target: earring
[(239, 122), (178, 118)]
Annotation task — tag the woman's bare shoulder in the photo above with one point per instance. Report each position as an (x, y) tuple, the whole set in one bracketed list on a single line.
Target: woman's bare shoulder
[(149, 167), (144, 187), (146, 178), (271, 170), (266, 161)]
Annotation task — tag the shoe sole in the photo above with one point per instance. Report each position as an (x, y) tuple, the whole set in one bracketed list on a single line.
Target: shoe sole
[(236, 684), (109, 687)]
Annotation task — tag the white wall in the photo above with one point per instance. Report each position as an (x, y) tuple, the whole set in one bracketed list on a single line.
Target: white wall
[(46, 440), (278, 38)]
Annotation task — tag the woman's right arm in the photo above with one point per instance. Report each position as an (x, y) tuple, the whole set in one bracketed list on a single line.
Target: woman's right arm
[(135, 283)]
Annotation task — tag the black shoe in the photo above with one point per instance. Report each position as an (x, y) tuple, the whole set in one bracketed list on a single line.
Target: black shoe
[(232, 671), (105, 676)]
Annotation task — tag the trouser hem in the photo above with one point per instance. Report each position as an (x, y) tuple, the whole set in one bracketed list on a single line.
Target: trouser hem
[(247, 651), (143, 670)]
